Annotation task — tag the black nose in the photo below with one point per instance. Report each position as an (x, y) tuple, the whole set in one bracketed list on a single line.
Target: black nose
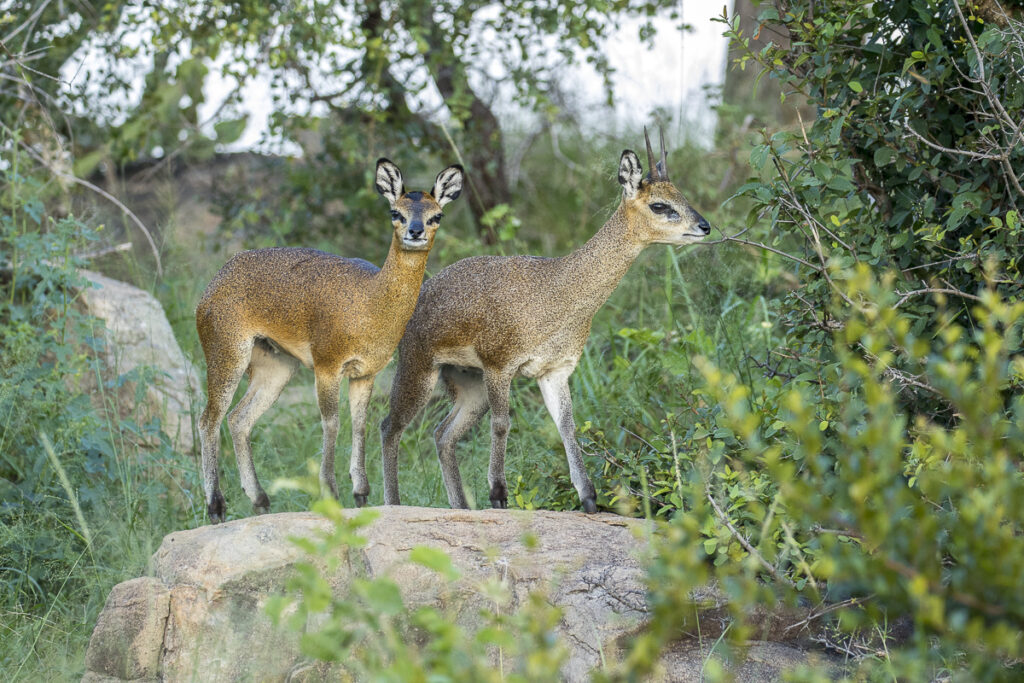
[(416, 230), (703, 224)]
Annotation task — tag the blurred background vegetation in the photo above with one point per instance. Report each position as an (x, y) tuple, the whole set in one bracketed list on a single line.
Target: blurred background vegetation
[(824, 402)]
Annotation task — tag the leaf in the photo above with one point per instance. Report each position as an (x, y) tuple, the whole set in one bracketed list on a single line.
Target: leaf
[(229, 131), (433, 558), (883, 156), (381, 595), (758, 157), (856, 87)]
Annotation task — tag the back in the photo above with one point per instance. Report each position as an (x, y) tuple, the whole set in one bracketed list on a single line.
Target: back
[(281, 281)]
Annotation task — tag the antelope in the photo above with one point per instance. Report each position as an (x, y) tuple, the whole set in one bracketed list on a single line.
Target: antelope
[(269, 310), (484, 320)]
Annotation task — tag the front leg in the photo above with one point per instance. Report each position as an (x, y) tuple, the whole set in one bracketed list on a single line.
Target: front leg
[(555, 389), (359, 391), (327, 384), (498, 384)]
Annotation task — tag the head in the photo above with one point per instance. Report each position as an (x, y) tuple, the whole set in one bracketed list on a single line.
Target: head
[(655, 209), (416, 215)]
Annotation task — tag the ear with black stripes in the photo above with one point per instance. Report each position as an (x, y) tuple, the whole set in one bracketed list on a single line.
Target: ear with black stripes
[(389, 181), (630, 173), (448, 185)]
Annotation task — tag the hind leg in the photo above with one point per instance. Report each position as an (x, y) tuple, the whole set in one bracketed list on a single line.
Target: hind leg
[(410, 391), (359, 391), (269, 372), (225, 364), (498, 384), (470, 396)]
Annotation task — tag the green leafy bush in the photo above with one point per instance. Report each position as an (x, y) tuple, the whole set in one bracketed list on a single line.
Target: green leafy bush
[(82, 505), (902, 532), (912, 165)]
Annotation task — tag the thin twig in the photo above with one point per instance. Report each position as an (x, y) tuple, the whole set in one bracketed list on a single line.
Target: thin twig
[(934, 290), (103, 193), (950, 150), (818, 613), (746, 544)]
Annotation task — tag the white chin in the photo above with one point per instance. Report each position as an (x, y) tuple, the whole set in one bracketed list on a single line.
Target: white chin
[(680, 240), (417, 245)]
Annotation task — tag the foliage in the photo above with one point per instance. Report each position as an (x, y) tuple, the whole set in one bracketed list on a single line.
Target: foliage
[(875, 518), (913, 163), (79, 500), (360, 78), (372, 635)]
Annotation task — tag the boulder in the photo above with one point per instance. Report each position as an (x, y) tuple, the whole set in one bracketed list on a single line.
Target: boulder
[(139, 336), (201, 615)]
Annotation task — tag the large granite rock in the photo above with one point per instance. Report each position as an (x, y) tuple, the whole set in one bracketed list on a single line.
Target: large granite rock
[(138, 335), (201, 615)]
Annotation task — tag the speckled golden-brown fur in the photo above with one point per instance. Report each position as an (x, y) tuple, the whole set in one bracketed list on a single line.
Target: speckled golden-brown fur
[(269, 310), (482, 321)]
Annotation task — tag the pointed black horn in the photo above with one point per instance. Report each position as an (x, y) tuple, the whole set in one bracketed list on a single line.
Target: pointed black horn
[(650, 155), (664, 161)]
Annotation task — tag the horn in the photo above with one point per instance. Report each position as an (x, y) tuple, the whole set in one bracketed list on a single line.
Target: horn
[(664, 162), (650, 156)]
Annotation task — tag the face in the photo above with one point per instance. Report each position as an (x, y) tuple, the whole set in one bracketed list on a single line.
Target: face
[(666, 216), (655, 208), (416, 215)]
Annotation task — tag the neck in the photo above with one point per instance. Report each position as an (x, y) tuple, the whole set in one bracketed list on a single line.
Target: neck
[(598, 266), (401, 276)]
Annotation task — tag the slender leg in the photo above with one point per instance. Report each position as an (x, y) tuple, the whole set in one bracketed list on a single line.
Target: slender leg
[(359, 390), (269, 372), (498, 384), (410, 391), (225, 365), (327, 385), (470, 397), (555, 389)]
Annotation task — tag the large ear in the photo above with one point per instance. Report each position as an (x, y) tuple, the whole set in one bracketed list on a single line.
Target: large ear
[(448, 185), (630, 173), (389, 181)]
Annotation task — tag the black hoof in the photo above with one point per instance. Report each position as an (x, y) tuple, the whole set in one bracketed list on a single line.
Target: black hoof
[(360, 499), (262, 504), (589, 506), (217, 509), (499, 496)]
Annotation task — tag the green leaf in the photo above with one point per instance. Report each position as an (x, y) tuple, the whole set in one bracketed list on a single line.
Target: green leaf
[(883, 156), (758, 157), (381, 595), (436, 559), (229, 131), (856, 86)]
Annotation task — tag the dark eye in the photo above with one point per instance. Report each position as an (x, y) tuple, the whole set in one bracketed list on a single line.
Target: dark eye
[(395, 216), (435, 220), (658, 207)]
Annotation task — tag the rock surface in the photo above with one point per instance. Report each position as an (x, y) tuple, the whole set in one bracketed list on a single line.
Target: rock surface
[(201, 615), (138, 335)]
